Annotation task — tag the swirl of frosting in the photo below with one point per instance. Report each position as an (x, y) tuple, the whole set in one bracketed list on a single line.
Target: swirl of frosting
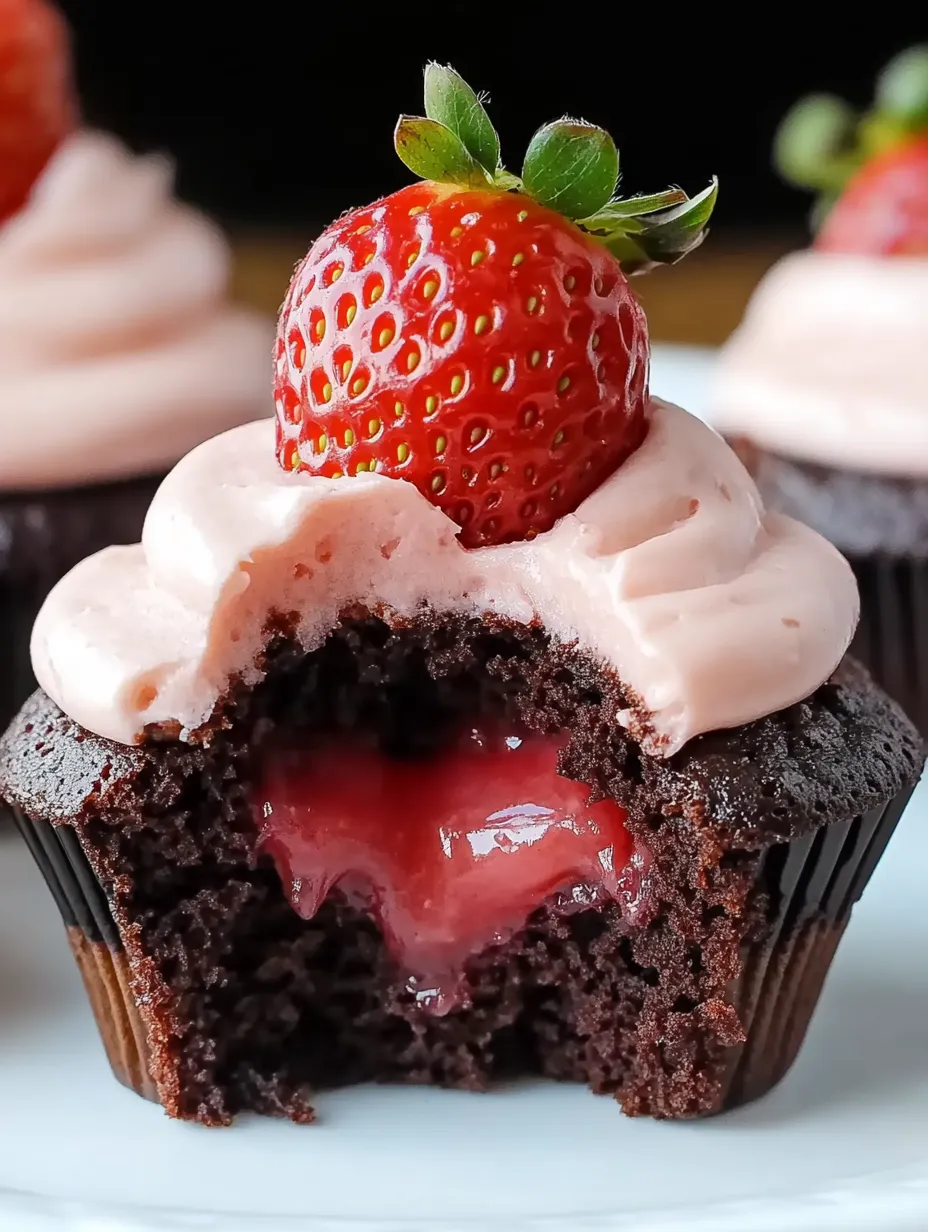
[(830, 364), (709, 610), (118, 350)]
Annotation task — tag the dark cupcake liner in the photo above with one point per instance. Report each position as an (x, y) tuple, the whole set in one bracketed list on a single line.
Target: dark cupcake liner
[(892, 638), (19, 607), (812, 883), (97, 949), (815, 880), (42, 536)]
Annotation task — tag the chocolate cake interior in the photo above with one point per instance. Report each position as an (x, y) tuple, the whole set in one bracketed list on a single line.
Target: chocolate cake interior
[(759, 841)]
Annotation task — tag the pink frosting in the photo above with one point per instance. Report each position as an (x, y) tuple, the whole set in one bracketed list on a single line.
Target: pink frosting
[(118, 349), (712, 611), (831, 363)]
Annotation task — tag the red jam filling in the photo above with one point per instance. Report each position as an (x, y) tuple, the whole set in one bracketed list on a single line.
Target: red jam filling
[(449, 854)]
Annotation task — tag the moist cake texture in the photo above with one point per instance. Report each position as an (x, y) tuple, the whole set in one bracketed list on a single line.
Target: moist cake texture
[(761, 838)]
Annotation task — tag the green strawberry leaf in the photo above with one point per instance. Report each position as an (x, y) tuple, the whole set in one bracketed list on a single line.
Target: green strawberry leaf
[(433, 152), (678, 224), (451, 101), (571, 167), (813, 142), (632, 207), (902, 88), (661, 238)]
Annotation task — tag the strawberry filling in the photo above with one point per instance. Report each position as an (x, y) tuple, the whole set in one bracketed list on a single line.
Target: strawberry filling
[(449, 854)]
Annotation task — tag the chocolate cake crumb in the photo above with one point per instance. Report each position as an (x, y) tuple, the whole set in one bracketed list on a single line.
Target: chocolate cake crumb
[(251, 1007)]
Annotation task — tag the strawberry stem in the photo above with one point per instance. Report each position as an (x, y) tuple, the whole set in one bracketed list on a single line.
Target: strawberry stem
[(570, 166)]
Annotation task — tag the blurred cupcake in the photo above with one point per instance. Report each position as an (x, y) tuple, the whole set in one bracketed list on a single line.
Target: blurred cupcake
[(824, 386), (118, 349)]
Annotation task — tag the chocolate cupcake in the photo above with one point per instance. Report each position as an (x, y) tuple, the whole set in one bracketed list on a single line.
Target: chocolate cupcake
[(823, 386), (364, 776), (113, 322)]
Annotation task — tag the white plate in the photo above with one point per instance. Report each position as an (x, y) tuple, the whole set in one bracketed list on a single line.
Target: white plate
[(840, 1146)]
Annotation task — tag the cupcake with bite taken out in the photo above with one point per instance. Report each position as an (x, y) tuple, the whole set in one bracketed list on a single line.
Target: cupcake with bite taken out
[(477, 719), (118, 348), (824, 386)]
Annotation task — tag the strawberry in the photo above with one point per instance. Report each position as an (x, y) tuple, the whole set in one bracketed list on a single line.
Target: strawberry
[(884, 208), (37, 103), (475, 334), (870, 170)]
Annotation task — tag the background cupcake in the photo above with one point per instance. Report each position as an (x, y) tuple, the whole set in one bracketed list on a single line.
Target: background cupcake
[(825, 384), (119, 350)]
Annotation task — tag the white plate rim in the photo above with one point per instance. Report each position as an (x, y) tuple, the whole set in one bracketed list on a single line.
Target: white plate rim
[(900, 1195)]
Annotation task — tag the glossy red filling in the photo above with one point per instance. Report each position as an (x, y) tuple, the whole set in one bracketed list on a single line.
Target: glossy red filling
[(450, 853)]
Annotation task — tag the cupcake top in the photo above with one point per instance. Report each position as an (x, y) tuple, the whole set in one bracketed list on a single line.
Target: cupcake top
[(114, 321), (464, 428), (829, 363), (710, 611)]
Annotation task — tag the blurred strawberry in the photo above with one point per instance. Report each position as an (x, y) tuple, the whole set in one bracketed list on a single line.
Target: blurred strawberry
[(37, 101), (870, 169), (884, 208)]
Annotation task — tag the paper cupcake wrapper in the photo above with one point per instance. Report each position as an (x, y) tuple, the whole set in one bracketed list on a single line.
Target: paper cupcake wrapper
[(813, 883), (97, 949), (892, 638), (817, 880)]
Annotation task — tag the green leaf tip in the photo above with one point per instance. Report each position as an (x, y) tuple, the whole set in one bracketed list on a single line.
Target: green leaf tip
[(451, 101), (571, 166), (643, 232), (823, 141)]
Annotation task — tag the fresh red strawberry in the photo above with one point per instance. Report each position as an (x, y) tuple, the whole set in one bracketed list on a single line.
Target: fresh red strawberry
[(37, 103), (466, 337), (884, 209), (869, 169), (476, 344)]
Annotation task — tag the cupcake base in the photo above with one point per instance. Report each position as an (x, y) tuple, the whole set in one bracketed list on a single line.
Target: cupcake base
[(813, 881), (213, 993)]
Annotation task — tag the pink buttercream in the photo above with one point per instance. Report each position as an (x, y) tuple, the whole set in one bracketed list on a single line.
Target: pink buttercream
[(118, 349), (712, 611), (830, 364)]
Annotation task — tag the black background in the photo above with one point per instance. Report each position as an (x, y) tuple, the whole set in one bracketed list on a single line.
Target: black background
[(281, 114)]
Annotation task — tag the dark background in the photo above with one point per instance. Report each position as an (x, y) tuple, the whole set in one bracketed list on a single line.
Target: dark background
[(280, 114)]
